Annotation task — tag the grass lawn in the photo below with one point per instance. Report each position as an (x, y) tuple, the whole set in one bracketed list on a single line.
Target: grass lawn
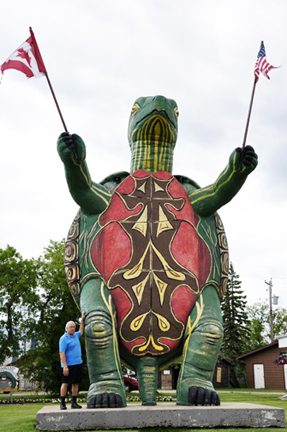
[(21, 418)]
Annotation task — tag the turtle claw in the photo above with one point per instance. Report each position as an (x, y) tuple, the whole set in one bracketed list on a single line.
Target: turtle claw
[(198, 396), (106, 394), (105, 400)]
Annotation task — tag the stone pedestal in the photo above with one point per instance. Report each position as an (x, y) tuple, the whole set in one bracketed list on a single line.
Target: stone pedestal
[(50, 418)]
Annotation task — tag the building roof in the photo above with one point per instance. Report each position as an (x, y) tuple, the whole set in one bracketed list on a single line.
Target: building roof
[(257, 350)]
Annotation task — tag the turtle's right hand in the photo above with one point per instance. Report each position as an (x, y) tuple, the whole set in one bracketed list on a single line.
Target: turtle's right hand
[(68, 140), (71, 148)]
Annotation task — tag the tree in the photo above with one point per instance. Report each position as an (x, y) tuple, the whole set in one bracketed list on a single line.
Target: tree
[(54, 308), (258, 320), (235, 322), (18, 282), (259, 324), (279, 322)]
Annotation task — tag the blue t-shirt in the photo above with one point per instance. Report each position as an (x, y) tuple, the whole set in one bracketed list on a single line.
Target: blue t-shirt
[(71, 346)]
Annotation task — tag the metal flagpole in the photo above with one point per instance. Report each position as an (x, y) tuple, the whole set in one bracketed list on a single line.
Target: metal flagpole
[(56, 102), (72, 147), (50, 85), (248, 118)]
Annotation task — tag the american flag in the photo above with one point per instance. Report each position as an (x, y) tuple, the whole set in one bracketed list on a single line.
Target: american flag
[(261, 64)]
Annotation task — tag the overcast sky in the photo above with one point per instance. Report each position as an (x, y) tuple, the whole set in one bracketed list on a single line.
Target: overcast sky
[(101, 56)]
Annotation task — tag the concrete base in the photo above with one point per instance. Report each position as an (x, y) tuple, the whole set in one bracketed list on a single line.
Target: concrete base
[(50, 418)]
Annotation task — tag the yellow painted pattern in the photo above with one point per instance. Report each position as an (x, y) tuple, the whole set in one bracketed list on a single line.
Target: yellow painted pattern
[(213, 189), (138, 289), (150, 143), (138, 322), (163, 224), (137, 269), (171, 273), (141, 224), (163, 323), (99, 193), (161, 286), (151, 340), (108, 303), (189, 328)]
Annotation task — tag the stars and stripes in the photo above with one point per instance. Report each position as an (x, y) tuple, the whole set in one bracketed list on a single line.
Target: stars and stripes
[(261, 64)]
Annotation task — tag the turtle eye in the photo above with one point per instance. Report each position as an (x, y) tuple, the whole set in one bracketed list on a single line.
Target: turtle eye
[(176, 111), (135, 108)]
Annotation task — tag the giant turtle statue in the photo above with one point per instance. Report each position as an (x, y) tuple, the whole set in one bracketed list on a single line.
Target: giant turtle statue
[(147, 259)]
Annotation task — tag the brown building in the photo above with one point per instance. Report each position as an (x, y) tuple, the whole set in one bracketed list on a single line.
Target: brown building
[(221, 375), (261, 372), (167, 379)]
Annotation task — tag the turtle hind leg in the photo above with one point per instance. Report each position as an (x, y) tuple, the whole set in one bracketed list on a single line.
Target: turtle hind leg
[(201, 396), (201, 348), (105, 395), (147, 373), (107, 386)]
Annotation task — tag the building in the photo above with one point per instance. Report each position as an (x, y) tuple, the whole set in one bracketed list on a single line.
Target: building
[(221, 375), (23, 384), (261, 371), (167, 378)]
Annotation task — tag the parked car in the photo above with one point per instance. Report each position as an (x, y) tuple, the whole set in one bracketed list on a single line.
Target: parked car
[(130, 384)]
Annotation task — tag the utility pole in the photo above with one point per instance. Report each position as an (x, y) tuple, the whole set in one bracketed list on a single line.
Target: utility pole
[(270, 305)]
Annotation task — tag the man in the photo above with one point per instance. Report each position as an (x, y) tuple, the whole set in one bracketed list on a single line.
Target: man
[(71, 361)]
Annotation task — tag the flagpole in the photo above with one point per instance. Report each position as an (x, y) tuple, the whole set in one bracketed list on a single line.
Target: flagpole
[(72, 146), (44, 70), (248, 118), (48, 79), (56, 102)]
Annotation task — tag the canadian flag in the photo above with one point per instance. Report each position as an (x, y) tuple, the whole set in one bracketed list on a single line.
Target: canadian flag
[(27, 59)]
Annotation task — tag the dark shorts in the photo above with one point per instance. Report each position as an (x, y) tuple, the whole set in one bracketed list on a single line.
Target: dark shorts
[(75, 374)]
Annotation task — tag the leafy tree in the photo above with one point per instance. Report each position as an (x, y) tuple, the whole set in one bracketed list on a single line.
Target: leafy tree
[(54, 308), (235, 322), (259, 326), (279, 322), (18, 282), (258, 320)]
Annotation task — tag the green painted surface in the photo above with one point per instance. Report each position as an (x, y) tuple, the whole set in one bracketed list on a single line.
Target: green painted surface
[(152, 135)]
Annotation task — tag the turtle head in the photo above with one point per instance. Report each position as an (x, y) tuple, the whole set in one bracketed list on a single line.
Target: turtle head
[(152, 133)]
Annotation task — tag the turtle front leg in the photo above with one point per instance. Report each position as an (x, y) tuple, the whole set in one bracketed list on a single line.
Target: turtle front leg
[(107, 386), (203, 339)]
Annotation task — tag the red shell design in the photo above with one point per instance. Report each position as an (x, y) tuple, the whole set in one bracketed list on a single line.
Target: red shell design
[(152, 259)]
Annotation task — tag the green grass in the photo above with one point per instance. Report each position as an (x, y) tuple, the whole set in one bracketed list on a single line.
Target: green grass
[(18, 418), (21, 418)]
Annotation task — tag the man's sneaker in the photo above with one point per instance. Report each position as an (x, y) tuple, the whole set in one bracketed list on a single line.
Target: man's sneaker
[(63, 407), (74, 405)]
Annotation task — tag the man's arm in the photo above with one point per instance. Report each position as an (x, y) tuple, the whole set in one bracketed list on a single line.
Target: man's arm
[(91, 197), (82, 325), (64, 362), (208, 200)]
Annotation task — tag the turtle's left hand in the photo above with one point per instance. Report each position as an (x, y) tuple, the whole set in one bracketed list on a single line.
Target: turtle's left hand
[(250, 158)]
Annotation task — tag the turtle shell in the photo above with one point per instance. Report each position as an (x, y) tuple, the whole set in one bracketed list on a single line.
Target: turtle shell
[(153, 259)]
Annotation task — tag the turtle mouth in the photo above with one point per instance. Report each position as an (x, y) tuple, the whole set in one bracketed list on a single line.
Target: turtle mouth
[(163, 113)]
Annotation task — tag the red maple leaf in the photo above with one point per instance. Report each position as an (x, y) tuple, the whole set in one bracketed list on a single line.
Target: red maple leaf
[(24, 54)]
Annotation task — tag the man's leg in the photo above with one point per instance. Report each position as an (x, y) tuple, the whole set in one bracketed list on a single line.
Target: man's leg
[(63, 392), (75, 391), (107, 387)]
